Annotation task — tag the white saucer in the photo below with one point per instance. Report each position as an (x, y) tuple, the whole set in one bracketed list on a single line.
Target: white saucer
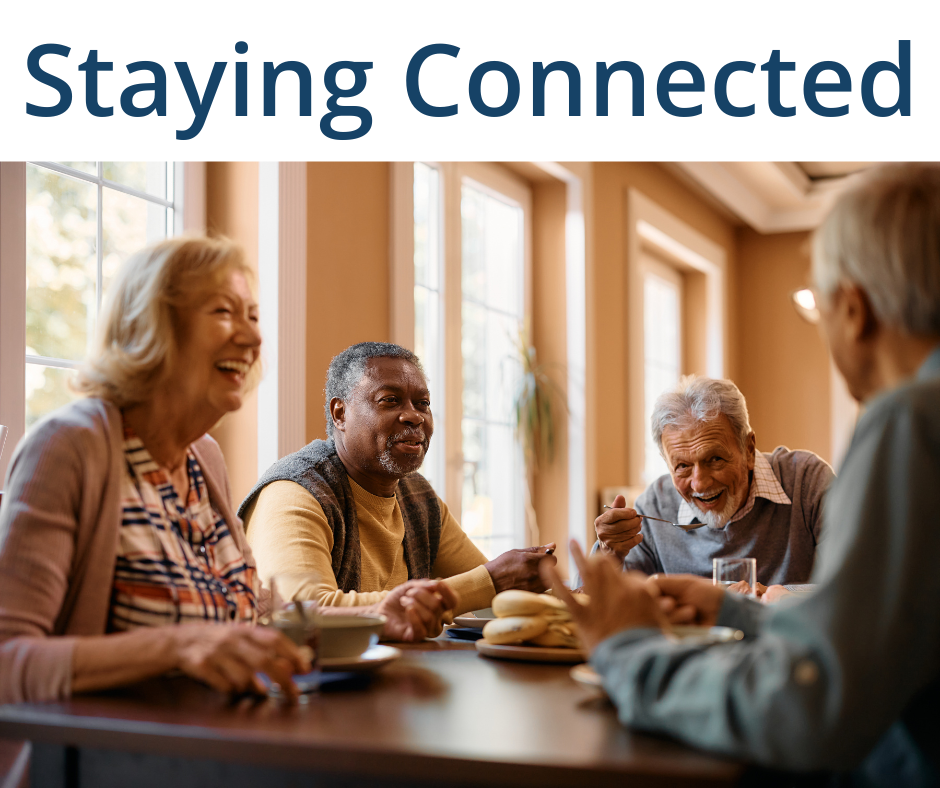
[(372, 658)]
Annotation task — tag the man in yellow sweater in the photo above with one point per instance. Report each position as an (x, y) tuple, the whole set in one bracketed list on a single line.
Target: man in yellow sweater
[(354, 512)]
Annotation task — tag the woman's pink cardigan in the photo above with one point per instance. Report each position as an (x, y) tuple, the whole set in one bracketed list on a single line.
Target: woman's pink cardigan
[(59, 529)]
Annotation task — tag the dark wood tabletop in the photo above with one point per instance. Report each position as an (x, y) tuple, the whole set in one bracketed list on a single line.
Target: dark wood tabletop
[(442, 714)]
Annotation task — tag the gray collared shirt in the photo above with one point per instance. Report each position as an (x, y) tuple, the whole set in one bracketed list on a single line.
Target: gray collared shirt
[(846, 677)]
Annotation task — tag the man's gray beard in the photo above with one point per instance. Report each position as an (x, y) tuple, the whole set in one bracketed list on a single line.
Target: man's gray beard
[(396, 468), (719, 519)]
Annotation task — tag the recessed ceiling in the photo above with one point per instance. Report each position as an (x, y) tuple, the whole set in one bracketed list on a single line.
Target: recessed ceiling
[(773, 197), (816, 170)]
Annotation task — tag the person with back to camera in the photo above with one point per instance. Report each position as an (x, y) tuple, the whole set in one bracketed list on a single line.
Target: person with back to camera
[(845, 679), (121, 557)]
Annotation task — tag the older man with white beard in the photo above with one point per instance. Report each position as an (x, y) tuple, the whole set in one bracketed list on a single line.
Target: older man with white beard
[(751, 504)]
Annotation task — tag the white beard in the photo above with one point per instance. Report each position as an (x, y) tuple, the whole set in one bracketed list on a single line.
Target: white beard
[(718, 519)]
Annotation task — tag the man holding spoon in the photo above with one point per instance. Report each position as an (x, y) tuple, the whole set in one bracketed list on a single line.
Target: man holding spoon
[(721, 497)]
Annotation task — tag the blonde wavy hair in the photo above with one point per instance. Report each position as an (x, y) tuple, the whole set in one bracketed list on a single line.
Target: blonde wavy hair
[(137, 335)]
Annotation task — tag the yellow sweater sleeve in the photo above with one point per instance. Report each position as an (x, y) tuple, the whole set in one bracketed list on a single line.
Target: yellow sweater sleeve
[(462, 565), (289, 534)]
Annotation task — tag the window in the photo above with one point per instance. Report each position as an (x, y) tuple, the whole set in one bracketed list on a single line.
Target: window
[(492, 319), (428, 306), (82, 220), (466, 258), (662, 347), (675, 318)]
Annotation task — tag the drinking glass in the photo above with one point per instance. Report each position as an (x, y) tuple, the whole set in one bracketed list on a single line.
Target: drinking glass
[(736, 574), (298, 621)]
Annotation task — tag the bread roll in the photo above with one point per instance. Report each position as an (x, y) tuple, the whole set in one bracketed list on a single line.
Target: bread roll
[(525, 603), (513, 629), (557, 636)]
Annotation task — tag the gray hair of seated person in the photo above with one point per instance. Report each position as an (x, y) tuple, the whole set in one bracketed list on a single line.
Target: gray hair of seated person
[(883, 235), (697, 400), (347, 368)]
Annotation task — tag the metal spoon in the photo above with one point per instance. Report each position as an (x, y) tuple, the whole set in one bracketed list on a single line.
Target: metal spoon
[(689, 527)]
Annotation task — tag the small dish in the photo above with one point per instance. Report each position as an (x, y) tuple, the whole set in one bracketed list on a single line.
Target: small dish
[(475, 619), (566, 656), (372, 658)]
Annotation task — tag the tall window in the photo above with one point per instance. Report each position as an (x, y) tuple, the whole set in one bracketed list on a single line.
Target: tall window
[(82, 220), (465, 241), (662, 349), (429, 333), (492, 317)]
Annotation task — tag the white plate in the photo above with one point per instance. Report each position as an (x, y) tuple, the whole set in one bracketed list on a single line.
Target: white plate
[(531, 653), (704, 635), (370, 659), (476, 619), (586, 675)]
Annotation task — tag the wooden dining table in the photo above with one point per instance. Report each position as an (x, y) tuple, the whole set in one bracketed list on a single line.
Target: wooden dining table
[(440, 715)]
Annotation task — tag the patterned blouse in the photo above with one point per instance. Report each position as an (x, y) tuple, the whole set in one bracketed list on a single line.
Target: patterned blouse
[(175, 563)]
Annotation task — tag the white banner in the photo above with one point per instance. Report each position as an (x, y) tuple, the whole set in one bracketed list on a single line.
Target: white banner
[(686, 80)]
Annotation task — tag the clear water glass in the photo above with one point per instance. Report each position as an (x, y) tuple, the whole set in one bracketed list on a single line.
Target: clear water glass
[(738, 575)]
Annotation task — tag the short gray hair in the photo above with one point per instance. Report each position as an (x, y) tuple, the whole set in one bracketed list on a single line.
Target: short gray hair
[(883, 235), (698, 399), (347, 368)]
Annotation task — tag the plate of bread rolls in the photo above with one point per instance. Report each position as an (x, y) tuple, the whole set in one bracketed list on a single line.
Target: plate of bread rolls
[(532, 628)]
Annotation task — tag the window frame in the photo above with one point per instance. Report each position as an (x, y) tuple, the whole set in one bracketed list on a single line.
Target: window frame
[(189, 216), (502, 184), (653, 266), (649, 225)]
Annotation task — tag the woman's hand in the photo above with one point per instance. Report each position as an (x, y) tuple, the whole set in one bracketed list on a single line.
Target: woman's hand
[(415, 609), (227, 656)]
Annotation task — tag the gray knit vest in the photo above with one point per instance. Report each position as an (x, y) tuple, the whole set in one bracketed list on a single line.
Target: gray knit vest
[(318, 469)]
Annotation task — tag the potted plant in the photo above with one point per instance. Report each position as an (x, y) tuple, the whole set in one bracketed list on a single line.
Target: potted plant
[(535, 406)]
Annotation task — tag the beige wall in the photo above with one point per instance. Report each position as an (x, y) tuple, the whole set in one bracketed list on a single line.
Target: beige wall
[(783, 362), (348, 268), (782, 368), (232, 210), (612, 182)]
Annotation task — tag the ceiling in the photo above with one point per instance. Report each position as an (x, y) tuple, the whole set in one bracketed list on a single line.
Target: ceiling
[(771, 197)]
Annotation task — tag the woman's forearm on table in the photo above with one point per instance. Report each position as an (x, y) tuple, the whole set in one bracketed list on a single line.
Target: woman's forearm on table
[(104, 661)]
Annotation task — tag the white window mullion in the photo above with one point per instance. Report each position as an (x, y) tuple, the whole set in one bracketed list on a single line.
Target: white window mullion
[(99, 240)]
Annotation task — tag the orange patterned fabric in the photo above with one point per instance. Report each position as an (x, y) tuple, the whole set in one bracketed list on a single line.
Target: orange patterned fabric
[(176, 561)]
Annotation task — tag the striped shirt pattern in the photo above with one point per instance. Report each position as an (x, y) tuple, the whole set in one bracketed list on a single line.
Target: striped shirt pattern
[(176, 563)]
